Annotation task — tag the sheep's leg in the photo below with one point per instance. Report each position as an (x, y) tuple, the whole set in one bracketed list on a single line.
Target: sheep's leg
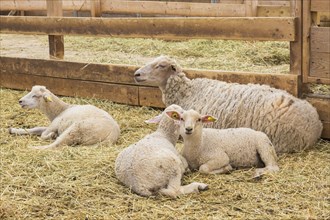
[(68, 137), (34, 131), (174, 188), (48, 134), (217, 166), (268, 156)]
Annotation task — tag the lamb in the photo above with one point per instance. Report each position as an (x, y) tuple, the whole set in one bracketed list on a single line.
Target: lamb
[(70, 124), (213, 151), (153, 165), (291, 124)]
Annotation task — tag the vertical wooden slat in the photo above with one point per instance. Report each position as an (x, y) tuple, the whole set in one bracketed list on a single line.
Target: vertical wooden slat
[(296, 46), (251, 8), (95, 8), (307, 22), (56, 42)]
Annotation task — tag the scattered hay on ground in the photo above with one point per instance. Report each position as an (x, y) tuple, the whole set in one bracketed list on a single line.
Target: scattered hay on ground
[(79, 182)]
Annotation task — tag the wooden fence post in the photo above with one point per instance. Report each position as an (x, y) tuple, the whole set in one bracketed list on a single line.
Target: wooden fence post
[(96, 8), (56, 42), (251, 7), (296, 46)]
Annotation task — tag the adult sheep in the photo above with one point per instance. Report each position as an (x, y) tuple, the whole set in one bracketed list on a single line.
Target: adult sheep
[(291, 124), (70, 124)]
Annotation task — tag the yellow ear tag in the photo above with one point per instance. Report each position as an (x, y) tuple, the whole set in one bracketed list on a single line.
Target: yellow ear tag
[(48, 99), (211, 119), (175, 115)]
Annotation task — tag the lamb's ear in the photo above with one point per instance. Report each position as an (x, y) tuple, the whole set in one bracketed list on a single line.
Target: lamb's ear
[(175, 67), (208, 119), (154, 120), (47, 98), (174, 115)]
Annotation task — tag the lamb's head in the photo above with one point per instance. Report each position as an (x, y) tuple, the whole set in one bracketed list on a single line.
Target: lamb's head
[(37, 98), (163, 118), (157, 71), (190, 121)]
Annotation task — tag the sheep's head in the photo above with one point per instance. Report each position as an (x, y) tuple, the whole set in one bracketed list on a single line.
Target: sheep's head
[(38, 97), (157, 71), (190, 120), (157, 119)]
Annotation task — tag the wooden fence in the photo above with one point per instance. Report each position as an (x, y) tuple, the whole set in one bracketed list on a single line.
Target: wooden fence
[(115, 82)]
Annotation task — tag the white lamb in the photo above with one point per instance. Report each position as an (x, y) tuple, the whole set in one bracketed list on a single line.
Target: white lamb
[(70, 124), (292, 124), (214, 151), (153, 165)]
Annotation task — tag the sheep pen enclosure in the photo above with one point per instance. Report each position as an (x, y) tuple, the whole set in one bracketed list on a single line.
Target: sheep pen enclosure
[(79, 182)]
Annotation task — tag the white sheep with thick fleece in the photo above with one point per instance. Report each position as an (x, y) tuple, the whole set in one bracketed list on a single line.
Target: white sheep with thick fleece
[(70, 124), (214, 151), (291, 124), (153, 165)]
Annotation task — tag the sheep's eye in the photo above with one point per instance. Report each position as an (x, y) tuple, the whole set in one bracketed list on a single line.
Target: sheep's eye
[(181, 119), (161, 66), (35, 96), (199, 120)]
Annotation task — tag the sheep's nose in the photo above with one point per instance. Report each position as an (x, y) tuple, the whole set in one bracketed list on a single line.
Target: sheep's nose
[(20, 101), (137, 74), (189, 129)]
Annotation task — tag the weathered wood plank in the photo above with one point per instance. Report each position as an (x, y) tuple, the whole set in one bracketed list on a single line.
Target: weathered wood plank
[(227, 9), (320, 65), (173, 8), (320, 39), (319, 80), (274, 2), (306, 22), (117, 93), (150, 96), (296, 46), (123, 74), (320, 5), (251, 8), (273, 29), (322, 104), (273, 11), (37, 5), (56, 42), (96, 10), (326, 130)]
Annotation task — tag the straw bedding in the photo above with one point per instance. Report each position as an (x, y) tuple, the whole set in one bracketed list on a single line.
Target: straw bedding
[(79, 182)]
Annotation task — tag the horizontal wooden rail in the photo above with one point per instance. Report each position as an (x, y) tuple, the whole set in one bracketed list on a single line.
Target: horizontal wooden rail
[(174, 8), (132, 7), (271, 29), (123, 74), (322, 104), (320, 5)]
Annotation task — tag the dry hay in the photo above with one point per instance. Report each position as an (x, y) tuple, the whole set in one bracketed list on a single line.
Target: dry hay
[(79, 182)]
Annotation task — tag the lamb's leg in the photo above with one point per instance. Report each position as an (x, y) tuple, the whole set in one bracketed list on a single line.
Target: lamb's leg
[(217, 166), (174, 188), (268, 156), (34, 131), (68, 137), (48, 134)]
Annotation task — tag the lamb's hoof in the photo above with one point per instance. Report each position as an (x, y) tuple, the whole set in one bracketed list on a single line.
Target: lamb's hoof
[(203, 187)]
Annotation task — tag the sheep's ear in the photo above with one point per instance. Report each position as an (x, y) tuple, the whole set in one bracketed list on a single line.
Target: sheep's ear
[(154, 120), (47, 98), (208, 119), (174, 115)]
